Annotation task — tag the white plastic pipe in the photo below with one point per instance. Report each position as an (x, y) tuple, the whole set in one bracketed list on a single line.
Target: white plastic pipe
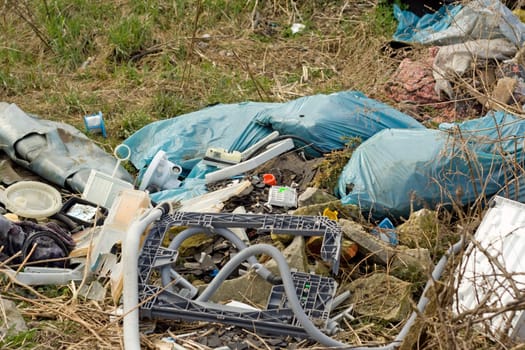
[(130, 257), (274, 151)]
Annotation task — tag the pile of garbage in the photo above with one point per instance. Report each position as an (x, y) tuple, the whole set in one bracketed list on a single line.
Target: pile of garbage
[(222, 223)]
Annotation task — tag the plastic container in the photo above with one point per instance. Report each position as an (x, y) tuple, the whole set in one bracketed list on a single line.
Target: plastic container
[(32, 199), (386, 231), (95, 123), (84, 212), (129, 205), (283, 196), (101, 188), (161, 173)]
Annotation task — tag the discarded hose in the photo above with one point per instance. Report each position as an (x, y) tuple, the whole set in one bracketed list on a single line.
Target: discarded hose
[(46, 239), (227, 234), (289, 288), (301, 316), (130, 293)]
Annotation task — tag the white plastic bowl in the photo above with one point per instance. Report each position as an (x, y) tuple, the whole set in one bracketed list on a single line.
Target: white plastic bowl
[(32, 199)]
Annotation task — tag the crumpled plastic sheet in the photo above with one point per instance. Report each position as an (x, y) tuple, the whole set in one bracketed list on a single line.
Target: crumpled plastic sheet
[(330, 121), (400, 170), (56, 151), (478, 19), (326, 121), (455, 60)]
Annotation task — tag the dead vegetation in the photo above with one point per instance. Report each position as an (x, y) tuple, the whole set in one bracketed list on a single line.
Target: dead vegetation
[(141, 61)]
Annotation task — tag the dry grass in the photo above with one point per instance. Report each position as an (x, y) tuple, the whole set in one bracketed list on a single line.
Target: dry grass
[(199, 55)]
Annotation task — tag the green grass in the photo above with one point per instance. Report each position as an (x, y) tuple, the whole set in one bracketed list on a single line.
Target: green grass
[(22, 340), (129, 37), (382, 18), (132, 122), (70, 28)]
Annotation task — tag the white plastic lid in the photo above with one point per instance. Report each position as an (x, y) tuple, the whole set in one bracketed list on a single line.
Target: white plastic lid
[(32, 199)]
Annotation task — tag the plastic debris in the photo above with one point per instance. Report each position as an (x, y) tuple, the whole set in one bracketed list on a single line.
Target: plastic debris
[(95, 123)]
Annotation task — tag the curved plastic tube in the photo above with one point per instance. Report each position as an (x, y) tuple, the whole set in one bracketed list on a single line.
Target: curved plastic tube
[(301, 316), (423, 300), (289, 288), (167, 273), (130, 294)]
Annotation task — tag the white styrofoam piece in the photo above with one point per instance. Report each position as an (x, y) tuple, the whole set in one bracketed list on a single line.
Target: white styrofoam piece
[(492, 272)]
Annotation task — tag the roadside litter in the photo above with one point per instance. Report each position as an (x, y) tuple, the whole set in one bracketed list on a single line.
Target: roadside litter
[(489, 292), (399, 170), (222, 226), (57, 152), (315, 124)]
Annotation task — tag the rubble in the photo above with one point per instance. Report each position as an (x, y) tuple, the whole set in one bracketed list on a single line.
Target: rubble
[(381, 275), (403, 260), (313, 195), (420, 230)]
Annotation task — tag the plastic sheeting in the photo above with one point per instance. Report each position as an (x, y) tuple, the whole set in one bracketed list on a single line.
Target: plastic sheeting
[(186, 138), (56, 151), (326, 121), (399, 170), (329, 121), (414, 29), (454, 60), (479, 19)]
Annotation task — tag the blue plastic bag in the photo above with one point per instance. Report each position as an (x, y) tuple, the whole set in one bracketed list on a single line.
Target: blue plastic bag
[(414, 29), (330, 121), (399, 170), (325, 121)]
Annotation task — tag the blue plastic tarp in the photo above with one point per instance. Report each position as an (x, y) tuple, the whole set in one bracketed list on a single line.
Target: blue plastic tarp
[(414, 29), (478, 19), (186, 138), (330, 121), (326, 121), (399, 170)]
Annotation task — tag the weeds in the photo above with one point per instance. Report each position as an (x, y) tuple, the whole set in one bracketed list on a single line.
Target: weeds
[(129, 37), (143, 61), (22, 340)]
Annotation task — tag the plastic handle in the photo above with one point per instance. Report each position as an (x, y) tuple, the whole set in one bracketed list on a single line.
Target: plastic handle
[(120, 159)]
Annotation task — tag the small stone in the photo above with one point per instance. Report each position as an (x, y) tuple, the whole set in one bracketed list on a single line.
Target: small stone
[(13, 323), (213, 341), (250, 287), (420, 230), (314, 195)]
